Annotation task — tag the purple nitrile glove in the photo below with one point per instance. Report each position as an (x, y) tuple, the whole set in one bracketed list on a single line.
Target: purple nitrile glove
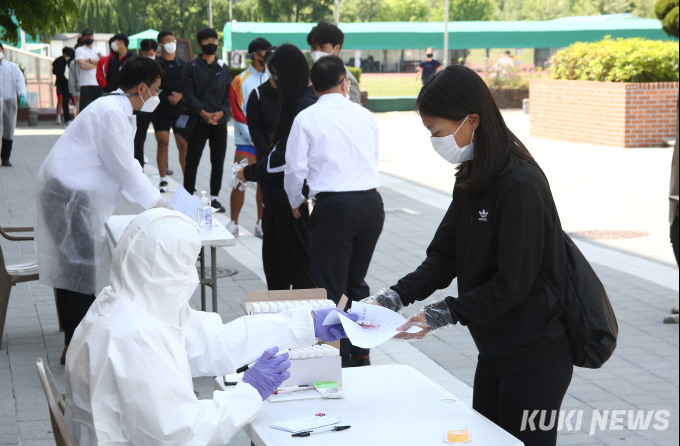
[(330, 333), (268, 372)]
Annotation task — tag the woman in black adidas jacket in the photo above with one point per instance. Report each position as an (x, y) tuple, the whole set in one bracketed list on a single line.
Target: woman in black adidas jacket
[(501, 238)]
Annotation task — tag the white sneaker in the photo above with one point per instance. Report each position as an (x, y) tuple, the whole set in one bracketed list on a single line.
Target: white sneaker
[(58, 119), (258, 230), (233, 228)]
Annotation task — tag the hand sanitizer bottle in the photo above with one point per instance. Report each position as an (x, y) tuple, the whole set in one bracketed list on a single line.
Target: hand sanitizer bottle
[(206, 212)]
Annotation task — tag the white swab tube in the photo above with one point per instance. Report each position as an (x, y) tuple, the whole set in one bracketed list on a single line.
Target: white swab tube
[(255, 308)]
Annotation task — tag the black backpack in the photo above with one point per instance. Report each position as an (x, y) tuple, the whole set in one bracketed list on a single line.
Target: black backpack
[(588, 316)]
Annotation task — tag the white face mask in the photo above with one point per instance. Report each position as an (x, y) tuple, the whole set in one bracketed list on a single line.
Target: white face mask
[(114, 46), (170, 48), (347, 91), (316, 55), (151, 103), (447, 147)]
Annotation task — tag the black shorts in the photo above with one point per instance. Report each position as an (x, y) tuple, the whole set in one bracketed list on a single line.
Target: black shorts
[(164, 119)]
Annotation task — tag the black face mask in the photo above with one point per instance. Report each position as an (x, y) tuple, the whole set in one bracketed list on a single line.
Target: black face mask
[(88, 42), (429, 55), (209, 49)]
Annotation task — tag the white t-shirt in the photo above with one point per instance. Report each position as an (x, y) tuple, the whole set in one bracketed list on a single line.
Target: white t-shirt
[(88, 77)]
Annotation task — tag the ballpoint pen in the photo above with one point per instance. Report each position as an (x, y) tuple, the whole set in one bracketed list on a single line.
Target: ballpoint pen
[(309, 433)]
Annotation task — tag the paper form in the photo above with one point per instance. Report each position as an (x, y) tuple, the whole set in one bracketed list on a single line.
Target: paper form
[(187, 204), (385, 320)]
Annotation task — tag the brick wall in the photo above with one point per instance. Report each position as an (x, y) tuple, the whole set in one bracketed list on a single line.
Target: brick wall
[(610, 113)]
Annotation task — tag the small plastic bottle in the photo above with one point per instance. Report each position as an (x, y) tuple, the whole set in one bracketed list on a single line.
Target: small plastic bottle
[(273, 308), (255, 308), (265, 307), (206, 212), (281, 306), (294, 354), (297, 303), (289, 305), (302, 354), (330, 304), (315, 305)]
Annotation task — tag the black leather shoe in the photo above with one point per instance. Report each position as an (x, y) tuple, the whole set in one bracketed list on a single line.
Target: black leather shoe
[(361, 361), (347, 361), (6, 163)]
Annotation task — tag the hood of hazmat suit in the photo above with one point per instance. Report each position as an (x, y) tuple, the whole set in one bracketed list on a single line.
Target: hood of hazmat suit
[(130, 364), (77, 189)]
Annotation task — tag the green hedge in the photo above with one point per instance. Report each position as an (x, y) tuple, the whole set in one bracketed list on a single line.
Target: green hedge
[(235, 71), (356, 72), (619, 60)]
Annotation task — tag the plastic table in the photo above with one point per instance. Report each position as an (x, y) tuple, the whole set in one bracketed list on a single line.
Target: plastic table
[(385, 405), (216, 237)]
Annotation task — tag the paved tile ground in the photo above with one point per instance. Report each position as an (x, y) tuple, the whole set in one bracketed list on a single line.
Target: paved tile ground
[(642, 375)]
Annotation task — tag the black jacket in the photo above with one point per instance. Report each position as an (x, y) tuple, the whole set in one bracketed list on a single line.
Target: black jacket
[(269, 170), (171, 82), (262, 111), (113, 71), (216, 95), (495, 241), (59, 66)]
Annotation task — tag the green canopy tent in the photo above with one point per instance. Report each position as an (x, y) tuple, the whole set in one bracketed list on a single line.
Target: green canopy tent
[(136, 39), (462, 35)]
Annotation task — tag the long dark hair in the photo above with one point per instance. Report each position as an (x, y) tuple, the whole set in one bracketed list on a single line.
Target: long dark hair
[(456, 92), (292, 78)]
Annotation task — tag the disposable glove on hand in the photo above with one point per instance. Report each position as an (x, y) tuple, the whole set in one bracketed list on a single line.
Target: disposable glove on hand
[(268, 372), (387, 298), (22, 102), (163, 203), (434, 316), (330, 333)]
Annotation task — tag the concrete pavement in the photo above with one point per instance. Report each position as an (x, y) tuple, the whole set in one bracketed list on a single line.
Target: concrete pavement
[(642, 375)]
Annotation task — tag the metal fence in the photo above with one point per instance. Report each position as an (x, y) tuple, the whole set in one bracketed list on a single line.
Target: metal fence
[(39, 78)]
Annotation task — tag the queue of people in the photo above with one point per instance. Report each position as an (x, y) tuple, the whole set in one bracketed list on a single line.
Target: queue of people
[(305, 140)]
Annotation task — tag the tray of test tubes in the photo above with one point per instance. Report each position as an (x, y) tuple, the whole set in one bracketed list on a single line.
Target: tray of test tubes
[(312, 364), (283, 305)]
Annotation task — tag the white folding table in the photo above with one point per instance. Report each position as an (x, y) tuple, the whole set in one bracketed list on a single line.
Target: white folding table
[(216, 237), (385, 405)]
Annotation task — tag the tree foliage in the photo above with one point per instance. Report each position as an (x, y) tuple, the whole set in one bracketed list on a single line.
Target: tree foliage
[(465, 10), (667, 12), (35, 17), (295, 10)]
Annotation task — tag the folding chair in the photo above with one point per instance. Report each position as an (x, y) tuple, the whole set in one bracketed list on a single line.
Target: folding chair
[(55, 402), (10, 275)]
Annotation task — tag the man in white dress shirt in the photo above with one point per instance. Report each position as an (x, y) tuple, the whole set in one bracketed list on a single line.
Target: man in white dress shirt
[(334, 146)]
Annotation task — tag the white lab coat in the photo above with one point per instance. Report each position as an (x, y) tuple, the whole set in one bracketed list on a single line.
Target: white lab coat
[(12, 84), (78, 186), (131, 360)]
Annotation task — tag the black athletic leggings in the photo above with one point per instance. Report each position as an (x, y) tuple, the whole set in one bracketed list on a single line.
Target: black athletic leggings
[(504, 399)]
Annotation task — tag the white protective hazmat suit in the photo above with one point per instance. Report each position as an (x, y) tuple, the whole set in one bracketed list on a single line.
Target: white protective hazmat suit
[(131, 360), (77, 189)]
